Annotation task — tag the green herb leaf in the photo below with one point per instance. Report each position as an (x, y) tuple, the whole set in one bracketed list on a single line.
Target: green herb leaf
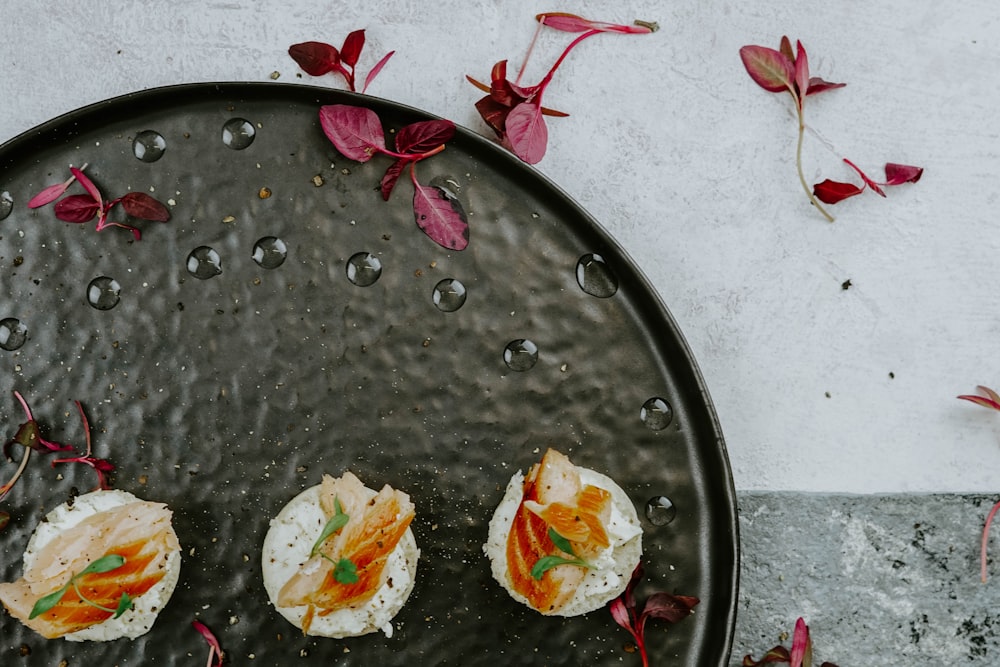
[(102, 565), (561, 542), (47, 602), (345, 572), (546, 563), (336, 522), (124, 604)]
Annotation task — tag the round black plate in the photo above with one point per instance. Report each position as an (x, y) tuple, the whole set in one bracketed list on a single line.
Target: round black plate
[(225, 396)]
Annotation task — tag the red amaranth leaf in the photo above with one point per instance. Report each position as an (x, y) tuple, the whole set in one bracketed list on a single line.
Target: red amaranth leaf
[(864, 177), (776, 654), (376, 69), (668, 607), (831, 192), (990, 398), (351, 50), (771, 70), (77, 208), (424, 135), (526, 132), (801, 69), (390, 177), (315, 58), (573, 23), (801, 645), (50, 193), (439, 216), (215, 652), (355, 131), (818, 85), (88, 185), (143, 206), (897, 174)]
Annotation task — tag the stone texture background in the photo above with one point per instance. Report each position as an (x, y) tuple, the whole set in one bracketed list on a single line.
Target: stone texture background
[(819, 388)]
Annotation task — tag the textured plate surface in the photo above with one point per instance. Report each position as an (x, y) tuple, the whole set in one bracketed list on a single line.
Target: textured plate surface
[(225, 396)]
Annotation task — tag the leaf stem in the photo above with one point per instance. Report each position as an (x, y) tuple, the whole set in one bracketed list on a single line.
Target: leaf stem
[(798, 166), (5, 489), (562, 57), (411, 157), (527, 55)]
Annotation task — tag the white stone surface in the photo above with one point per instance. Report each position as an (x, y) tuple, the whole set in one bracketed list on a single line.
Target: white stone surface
[(691, 167)]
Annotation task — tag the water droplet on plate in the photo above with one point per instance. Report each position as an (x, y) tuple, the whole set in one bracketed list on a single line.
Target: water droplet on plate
[(269, 252), (12, 333), (204, 263), (6, 204), (238, 133), (520, 354), (364, 269), (595, 277), (660, 510), (103, 293), (656, 413), (149, 146), (449, 295)]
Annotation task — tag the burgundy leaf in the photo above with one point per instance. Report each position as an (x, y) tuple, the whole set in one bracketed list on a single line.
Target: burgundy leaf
[(351, 50), (500, 89), (776, 654), (49, 194), (88, 185), (493, 113), (4, 520), (391, 176), (801, 72), (771, 70), (76, 208), (573, 23), (831, 192), (355, 131), (818, 85), (869, 182), (440, 217), (423, 136), (375, 70), (897, 174), (526, 131), (140, 205), (668, 607), (315, 58), (785, 48)]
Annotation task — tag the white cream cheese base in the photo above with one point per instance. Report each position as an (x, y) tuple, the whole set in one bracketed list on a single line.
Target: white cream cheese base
[(146, 607), (286, 547), (613, 566)]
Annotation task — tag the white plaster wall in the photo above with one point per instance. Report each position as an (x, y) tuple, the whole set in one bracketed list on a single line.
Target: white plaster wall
[(691, 167)]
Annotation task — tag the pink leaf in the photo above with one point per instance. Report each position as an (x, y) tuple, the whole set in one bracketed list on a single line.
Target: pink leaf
[(620, 613), (351, 50), (423, 136), (990, 400), (375, 70), (440, 217), (141, 205), (801, 72), (801, 644), (771, 70), (831, 192), (526, 131), (76, 208), (785, 47), (355, 131), (897, 174), (390, 177), (818, 85), (49, 194), (869, 182), (315, 58), (573, 23), (88, 185), (215, 653)]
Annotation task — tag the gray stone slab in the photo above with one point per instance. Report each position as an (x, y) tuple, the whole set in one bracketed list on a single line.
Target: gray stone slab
[(882, 580)]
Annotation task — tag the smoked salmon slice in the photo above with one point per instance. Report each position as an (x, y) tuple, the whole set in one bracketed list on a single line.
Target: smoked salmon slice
[(553, 497), (374, 526), (138, 531)]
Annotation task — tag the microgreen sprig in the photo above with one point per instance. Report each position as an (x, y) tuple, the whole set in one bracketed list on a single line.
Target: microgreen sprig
[(336, 522), (799, 656), (30, 438), (546, 563), (215, 653), (104, 564), (319, 58), (989, 399)]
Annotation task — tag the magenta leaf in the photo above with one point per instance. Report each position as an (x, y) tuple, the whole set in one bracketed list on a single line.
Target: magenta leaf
[(355, 131), (440, 216), (818, 85), (869, 182), (831, 192), (801, 644), (897, 174), (391, 176), (215, 653), (351, 50), (376, 69), (49, 194), (573, 23), (771, 70), (526, 132), (77, 208), (315, 58), (140, 205), (801, 72), (88, 185), (423, 136), (990, 398)]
